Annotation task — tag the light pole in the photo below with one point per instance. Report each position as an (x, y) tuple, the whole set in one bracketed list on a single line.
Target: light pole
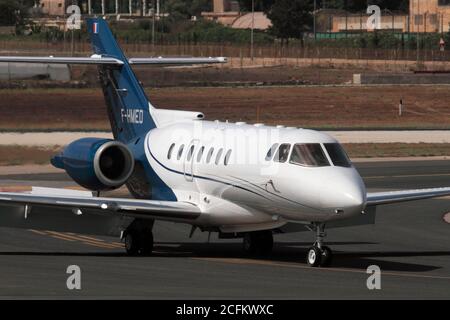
[(252, 54), (417, 31), (314, 16), (153, 25)]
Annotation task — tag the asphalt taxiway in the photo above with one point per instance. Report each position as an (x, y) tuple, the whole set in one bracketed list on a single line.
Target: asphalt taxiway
[(410, 243)]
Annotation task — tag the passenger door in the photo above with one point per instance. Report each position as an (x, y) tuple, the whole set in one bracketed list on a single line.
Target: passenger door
[(189, 160)]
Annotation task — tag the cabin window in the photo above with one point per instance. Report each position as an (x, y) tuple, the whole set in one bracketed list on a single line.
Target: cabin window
[(282, 153), (190, 153), (226, 160), (218, 156), (309, 155), (169, 154), (338, 155), (180, 152), (210, 153), (271, 152), (200, 154)]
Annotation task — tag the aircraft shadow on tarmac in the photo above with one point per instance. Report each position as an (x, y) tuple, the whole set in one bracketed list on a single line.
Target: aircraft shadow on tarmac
[(284, 253)]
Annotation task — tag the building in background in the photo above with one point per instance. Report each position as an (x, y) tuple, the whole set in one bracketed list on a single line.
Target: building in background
[(228, 13), (53, 13), (429, 15), (54, 7), (342, 21), (104, 7)]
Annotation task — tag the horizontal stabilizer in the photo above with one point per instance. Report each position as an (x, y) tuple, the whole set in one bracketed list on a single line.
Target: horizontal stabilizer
[(94, 60), (102, 60), (176, 61)]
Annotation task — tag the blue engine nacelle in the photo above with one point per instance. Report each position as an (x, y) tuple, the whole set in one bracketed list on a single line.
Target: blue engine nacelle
[(96, 164)]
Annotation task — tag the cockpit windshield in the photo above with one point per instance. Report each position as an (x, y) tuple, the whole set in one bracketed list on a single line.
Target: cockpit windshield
[(309, 155), (337, 155)]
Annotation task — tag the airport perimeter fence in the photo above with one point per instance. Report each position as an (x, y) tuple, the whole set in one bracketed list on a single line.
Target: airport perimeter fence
[(240, 55)]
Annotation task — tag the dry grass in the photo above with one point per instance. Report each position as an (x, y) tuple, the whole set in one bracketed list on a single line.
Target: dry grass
[(20, 155), (316, 107), (367, 150)]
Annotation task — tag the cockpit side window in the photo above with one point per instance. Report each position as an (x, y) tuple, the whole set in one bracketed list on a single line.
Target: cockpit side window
[(338, 155), (309, 155), (271, 152), (282, 153)]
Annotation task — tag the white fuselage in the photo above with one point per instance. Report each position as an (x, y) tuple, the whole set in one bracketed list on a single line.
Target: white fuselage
[(222, 168)]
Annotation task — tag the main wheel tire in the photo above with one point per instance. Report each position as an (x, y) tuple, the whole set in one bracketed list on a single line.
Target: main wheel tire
[(327, 257), (147, 244), (249, 244), (266, 244), (314, 256), (132, 244), (258, 243)]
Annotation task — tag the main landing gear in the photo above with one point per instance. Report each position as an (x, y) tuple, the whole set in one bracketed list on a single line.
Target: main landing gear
[(138, 239), (137, 244), (258, 242), (319, 255)]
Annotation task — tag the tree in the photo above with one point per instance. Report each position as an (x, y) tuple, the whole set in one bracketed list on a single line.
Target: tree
[(260, 5), (186, 8), (14, 13), (291, 18)]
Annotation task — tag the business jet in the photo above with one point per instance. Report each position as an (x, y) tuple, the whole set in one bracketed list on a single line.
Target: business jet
[(240, 180)]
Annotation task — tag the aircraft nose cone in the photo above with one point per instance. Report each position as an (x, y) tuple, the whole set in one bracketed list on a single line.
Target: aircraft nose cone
[(352, 195), (345, 191)]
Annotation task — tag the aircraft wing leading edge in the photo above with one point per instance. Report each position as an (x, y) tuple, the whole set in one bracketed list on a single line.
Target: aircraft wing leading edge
[(149, 209), (382, 198), (74, 211)]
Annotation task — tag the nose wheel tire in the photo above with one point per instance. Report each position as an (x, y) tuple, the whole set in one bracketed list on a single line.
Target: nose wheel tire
[(319, 257), (314, 257), (258, 243)]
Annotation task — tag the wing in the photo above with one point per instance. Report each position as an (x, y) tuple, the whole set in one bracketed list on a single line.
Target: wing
[(380, 198), (75, 211)]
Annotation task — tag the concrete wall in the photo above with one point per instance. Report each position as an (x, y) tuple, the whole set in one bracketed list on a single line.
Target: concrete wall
[(21, 71), (400, 78), (359, 23)]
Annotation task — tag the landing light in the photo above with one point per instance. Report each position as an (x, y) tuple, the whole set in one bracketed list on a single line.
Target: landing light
[(77, 212)]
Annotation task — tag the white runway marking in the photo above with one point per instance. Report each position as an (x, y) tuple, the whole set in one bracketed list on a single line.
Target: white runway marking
[(447, 218)]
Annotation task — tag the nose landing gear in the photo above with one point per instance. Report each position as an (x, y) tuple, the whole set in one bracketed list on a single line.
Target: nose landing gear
[(319, 255)]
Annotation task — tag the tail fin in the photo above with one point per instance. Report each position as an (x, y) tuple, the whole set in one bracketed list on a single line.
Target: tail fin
[(127, 103)]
